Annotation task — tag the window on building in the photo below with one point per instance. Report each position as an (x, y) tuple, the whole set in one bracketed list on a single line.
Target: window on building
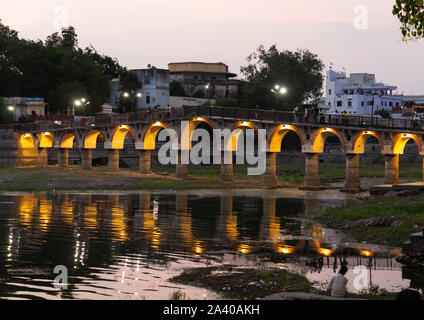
[(147, 99), (349, 103), (390, 104), (362, 103), (329, 91), (339, 103)]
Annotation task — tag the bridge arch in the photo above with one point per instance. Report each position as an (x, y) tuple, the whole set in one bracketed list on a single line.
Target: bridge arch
[(149, 137), (90, 139), (321, 135), (119, 134), (26, 141), (236, 131), (400, 141), (187, 130), (359, 141), (46, 140), (277, 136), (67, 140)]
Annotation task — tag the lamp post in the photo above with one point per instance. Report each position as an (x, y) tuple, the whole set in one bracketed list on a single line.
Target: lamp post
[(82, 102), (279, 91), (132, 95), (11, 110), (207, 90)]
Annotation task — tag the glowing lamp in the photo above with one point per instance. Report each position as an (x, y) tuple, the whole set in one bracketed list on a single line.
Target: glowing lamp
[(366, 253), (325, 252)]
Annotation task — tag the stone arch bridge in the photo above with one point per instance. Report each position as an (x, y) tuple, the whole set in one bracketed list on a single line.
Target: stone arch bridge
[(32, 140)]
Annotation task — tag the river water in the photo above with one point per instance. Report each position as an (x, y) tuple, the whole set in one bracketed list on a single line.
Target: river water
[(118, 245)]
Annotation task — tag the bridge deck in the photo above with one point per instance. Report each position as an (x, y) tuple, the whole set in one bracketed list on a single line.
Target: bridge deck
[(227, 114)]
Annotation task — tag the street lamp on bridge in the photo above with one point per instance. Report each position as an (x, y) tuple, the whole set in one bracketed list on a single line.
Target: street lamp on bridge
[(279, 91), (82, 102), (132, 95)]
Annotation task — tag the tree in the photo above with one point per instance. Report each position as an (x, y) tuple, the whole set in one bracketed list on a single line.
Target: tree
[(3, 111), (227, 102), (57, 70), (382, 113), (300, 72), (411, 15), (176, 89)]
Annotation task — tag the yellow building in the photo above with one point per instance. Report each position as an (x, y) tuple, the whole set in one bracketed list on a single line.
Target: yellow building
[(217, 67), (205, 80)]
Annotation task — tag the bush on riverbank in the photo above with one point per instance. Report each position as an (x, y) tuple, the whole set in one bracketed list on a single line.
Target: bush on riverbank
[(407, 212)]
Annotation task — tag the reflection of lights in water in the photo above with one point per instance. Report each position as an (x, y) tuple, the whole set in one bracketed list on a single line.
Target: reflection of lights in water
[(45, 214), (285, 250), (199, 248), (155, 210), (244, 248), (325, 252), (118, 223), (366, 253), (26, 206)]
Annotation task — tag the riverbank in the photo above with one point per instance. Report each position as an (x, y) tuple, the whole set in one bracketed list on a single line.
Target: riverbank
[(389, 219), (163, 178), (252, 284)]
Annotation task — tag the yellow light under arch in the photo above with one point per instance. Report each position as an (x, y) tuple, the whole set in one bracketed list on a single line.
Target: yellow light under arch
[(46, 140), (90, 141), (402, 139), (151, 133), (67, 141), (119, 136)]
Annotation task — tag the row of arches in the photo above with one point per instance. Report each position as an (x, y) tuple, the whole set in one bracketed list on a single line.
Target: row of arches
[(312, 141), (146, 137)]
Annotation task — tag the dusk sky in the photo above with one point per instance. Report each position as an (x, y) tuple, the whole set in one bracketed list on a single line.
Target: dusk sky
[(140, 32)]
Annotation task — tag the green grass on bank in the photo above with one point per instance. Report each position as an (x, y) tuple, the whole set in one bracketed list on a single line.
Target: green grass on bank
[(410, 211), (290, 175)]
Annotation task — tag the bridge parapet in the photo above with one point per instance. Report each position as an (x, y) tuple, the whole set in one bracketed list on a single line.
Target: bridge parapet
[(224, 113)]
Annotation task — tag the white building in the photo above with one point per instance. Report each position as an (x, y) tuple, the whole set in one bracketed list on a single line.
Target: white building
[(24, 107), (358, 94), (154, 89), (153, 92)]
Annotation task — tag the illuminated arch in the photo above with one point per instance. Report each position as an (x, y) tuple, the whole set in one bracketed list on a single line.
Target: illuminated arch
[(359, 141), (278, 135), (149, 139), (322, 134), (90, 139), (46, 140), (236, 131), (119, 134), (67, 140), (400, 141), (188, 129), (26, 141)]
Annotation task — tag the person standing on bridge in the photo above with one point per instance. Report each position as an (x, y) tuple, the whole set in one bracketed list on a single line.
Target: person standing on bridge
[(295, 112), (345, 119), (306, 114)]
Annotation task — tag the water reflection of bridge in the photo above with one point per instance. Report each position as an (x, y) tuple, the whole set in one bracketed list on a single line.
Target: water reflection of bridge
[(159, 223)]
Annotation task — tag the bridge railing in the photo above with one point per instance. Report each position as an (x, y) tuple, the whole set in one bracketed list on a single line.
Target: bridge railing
[(241, 114)]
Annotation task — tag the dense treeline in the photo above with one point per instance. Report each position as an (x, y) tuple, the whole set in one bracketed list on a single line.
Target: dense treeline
[(58, 70)]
